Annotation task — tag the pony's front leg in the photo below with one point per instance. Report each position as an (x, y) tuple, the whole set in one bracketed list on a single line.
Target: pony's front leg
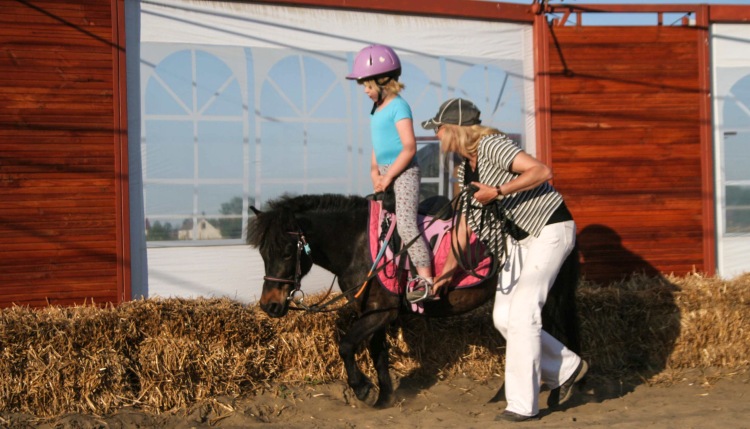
[(370, 324)]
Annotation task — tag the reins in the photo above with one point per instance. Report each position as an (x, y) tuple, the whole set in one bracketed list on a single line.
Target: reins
[(487, 212)]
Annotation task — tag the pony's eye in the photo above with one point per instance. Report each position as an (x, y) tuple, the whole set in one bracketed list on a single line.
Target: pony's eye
[(288, 254)]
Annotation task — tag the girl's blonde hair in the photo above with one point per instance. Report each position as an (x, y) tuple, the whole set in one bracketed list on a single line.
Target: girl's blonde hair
[(392, 87), (464, 140)]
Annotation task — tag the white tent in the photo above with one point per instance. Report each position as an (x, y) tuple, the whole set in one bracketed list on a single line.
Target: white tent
[(730, 44), (240, 103)]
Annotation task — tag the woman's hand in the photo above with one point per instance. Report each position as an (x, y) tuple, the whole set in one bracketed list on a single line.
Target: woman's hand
[(486, 194), (441, 281)]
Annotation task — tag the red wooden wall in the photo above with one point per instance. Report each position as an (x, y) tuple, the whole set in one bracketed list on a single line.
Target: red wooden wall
[(63, 154), (626, 121)]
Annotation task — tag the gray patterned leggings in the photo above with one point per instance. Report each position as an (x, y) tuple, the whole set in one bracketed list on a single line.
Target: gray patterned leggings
[(406, 188)]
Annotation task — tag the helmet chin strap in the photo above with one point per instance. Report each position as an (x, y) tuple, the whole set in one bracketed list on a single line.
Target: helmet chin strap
[(380, 95), (377, 103)]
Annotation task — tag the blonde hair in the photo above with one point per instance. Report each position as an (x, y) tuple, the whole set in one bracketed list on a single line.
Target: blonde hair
[(392, 87), (464, 140)]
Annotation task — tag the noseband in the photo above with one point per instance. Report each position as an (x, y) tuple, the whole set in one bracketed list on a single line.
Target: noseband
[(296, 281)]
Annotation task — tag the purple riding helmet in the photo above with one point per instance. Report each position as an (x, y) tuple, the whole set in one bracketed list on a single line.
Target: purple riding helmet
[(376, 61)]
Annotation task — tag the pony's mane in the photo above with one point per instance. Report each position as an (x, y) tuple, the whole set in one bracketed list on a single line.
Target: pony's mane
[(322, 202), (279, 215)]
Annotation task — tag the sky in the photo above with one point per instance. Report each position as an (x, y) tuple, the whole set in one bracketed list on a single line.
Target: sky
[(632, 19), (575, 2)]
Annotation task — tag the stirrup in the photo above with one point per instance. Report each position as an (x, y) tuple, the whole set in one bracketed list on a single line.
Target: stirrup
[(422, 290)]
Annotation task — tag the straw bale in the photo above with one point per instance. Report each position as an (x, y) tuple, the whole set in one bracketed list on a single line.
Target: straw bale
[(164, 354), (61, 359)]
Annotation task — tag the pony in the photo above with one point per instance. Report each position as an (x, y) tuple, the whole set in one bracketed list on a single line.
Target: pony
[(331, 231)]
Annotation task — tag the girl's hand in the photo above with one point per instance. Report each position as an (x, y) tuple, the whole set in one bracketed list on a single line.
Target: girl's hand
[(384, 182), (376, 183)]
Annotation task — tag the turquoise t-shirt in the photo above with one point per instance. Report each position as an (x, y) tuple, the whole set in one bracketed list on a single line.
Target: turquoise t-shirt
[(385, 139)]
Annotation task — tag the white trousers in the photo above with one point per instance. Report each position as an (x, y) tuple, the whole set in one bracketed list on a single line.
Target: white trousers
[(533, 357)]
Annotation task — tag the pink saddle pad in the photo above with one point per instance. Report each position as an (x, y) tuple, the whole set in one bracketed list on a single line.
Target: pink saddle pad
[(435, 231)]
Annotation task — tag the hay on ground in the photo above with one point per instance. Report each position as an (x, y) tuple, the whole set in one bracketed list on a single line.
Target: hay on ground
[(163, 354)]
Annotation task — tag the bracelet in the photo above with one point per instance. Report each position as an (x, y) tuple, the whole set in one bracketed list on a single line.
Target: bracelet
[(500, 195)]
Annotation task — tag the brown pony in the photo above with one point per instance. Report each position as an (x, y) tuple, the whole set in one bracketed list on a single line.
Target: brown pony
[(331, 231)]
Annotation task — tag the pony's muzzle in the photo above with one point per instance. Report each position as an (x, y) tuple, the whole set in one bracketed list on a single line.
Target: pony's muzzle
[(275, 309), (274, 301)]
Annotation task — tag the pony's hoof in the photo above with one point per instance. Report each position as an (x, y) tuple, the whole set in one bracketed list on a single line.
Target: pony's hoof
[(365, 393), (383, 402)]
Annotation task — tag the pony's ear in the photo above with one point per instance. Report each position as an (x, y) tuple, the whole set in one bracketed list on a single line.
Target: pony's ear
[(256, 211)]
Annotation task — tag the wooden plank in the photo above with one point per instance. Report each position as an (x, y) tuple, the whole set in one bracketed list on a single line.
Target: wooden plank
[(65, 290), (47, 141), (622, 148), (51, 168), (100, 230), (51, 215), (62, 258), (622, 55), (597, 84), (32, 77), (62, 198), (636, 133), (45, 61), (729, 14), (81, 123), (612, 122), (603, 35), (53, 31), (626, 100), (95, 249), (49, 47), (494, 11), (51, 270)]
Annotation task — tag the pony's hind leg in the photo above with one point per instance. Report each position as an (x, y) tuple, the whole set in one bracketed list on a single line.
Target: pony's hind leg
[(361, 329), (379, 354)]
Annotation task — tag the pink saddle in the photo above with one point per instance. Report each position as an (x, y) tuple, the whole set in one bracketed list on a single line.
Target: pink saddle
[(437, 233)]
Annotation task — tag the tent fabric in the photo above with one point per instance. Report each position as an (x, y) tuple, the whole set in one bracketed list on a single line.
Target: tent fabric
[(730, 44), (272, 78)]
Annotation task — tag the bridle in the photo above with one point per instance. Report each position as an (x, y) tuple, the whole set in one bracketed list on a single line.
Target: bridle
[(297, 280)]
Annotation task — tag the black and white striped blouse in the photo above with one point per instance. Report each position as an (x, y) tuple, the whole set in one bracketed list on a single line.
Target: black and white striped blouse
[(529, 210)]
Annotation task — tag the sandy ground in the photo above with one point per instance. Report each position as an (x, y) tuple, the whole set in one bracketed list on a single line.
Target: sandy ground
[(693, 400)]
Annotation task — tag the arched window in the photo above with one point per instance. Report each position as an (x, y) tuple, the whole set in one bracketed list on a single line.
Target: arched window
[(302, 130), (193, 149), (736, 158)]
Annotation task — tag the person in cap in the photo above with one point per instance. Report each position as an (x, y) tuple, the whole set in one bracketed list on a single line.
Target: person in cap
[(525, 224), (394, 161)]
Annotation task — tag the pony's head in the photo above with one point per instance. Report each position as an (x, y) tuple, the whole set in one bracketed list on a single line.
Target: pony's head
[(277, 234), (281, 231)]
